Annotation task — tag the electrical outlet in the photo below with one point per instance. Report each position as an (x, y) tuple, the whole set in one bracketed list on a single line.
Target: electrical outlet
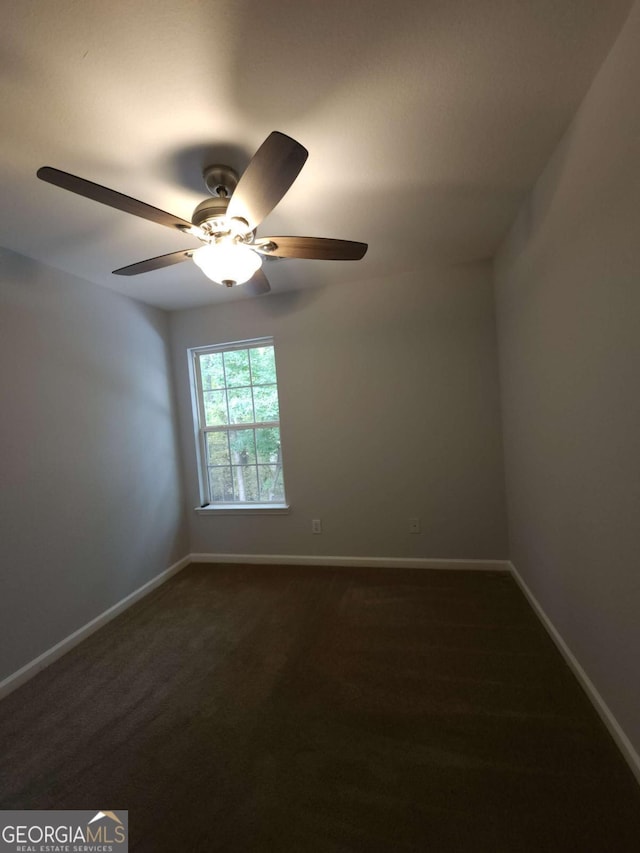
[(316, 525), (414, 525)]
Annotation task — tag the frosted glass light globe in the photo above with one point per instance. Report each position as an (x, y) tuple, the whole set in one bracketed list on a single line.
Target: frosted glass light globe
[(226, 262)]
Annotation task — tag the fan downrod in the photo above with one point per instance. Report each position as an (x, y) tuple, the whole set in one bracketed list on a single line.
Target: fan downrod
[(221, 181)]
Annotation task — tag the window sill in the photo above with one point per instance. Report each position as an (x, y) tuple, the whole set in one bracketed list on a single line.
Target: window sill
[(243, 509)]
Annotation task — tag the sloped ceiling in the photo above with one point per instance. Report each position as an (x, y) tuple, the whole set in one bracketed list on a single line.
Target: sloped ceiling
[(426, 122)]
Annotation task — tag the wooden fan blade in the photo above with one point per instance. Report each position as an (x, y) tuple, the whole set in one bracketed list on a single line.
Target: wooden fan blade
[(104, 195), (314, 248), (272, 170), (257, 284), (155, 263)]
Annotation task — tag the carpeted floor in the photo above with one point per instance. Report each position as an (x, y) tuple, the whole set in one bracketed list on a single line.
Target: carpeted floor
[(275, 709)]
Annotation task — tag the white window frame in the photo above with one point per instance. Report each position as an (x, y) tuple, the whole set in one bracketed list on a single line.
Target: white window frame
[(201, 430)]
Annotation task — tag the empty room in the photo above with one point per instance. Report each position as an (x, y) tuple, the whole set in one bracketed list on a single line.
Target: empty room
[(320, 426)]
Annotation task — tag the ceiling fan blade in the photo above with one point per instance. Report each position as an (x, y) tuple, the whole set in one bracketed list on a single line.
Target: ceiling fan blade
[(155, 263), (272, 170), (314, 248), (104, 195), (257, 284)]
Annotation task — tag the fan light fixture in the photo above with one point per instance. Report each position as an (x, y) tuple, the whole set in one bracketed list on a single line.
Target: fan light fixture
[(227, 262)]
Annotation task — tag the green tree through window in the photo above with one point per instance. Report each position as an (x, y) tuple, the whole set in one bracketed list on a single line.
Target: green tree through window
[(239, 423)]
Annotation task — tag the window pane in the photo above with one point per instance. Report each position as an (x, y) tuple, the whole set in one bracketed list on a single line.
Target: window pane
[(217, 449), (236, 366), (215, 408), (237, 389), (266, 403), (268, 445), (221, 485), (245, 480), (211, 371), (240, 405), (263, 365), (243, 450), (271, 485)]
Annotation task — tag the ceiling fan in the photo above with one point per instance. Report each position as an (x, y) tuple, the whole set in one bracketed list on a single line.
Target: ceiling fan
[(226, 223)]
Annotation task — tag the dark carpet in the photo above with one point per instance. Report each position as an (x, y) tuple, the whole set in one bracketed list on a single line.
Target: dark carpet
[(268, 709)]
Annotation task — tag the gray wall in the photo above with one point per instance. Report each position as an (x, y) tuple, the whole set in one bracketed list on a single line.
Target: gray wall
[(389, 409), (568, 307), (90, 497)]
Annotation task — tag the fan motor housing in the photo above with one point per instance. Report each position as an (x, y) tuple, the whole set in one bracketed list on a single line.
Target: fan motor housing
[(212, 210)]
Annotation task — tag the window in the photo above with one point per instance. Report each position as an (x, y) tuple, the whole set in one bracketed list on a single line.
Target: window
[(238, 421)]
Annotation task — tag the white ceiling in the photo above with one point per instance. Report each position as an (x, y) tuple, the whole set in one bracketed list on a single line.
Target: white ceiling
[(426, 121)]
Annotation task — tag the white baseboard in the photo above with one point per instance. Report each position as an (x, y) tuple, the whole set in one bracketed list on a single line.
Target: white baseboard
[(381, 562), (12, 682), (617, 733)]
